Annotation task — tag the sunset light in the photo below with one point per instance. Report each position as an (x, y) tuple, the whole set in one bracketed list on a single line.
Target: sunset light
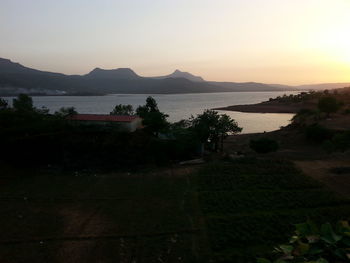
[(175, 131)]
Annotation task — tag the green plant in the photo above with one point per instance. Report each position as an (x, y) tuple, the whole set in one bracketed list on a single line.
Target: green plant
[(313, 244)]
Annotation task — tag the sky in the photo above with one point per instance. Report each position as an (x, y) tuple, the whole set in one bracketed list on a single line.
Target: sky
[(271, 41)]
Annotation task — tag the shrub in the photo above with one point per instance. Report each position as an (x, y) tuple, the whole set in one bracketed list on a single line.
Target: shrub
[(328, 104), (264, 145), (318, 133), (339, 142)]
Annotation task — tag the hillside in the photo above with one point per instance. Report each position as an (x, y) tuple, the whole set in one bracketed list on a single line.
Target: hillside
[(16, 78), (292, 103)]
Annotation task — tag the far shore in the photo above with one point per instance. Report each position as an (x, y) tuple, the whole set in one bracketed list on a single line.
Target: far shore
[(269, 107)]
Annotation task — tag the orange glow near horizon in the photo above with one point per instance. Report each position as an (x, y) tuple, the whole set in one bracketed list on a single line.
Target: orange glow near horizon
[(271, 41)]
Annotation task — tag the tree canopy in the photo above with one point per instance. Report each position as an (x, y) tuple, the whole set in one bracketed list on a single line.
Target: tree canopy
[(213, 127), (154, 120), (121, 109), (66, 111), (328, 104), (23, 103)]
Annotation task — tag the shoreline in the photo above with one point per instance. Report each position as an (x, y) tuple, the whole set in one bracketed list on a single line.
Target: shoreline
[(268, 107), (139, 93)]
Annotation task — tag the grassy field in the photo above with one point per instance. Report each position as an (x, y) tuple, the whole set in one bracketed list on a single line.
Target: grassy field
[(250, 205), (60, 217)]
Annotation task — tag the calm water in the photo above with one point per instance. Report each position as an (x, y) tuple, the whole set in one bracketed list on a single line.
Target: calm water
[(178, 106)]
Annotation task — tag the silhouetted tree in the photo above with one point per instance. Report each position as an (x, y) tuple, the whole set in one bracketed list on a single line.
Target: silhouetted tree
[(123, 110), (23, 103), (328, 104), (153, 119), (227, 126), (65, 112), (210, 126)]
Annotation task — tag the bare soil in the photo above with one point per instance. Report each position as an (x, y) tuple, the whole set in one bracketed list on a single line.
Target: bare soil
[(151, 217), (321, 170)]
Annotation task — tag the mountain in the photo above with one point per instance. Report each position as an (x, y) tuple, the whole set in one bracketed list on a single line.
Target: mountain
[(120, 73), (180, 74), (15, 79), (9, 67)]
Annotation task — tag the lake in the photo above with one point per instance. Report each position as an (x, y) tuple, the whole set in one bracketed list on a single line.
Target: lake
[(178, 106)]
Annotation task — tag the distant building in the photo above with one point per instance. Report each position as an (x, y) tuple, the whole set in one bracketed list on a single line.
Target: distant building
[(123, 122)]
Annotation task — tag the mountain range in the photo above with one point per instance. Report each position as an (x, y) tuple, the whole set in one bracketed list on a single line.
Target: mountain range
[(16, 78)]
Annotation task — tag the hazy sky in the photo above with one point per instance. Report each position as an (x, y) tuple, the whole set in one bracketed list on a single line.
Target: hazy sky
[(271, 41)]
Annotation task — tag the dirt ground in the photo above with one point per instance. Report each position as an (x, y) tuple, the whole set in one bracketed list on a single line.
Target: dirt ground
[(322, 170), (310, 158), (112, 217)]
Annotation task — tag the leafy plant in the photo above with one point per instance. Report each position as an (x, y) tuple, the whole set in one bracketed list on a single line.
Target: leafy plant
[(313, 244)]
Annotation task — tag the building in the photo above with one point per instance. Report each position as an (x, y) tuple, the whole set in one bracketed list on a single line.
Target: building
[(123, 122)]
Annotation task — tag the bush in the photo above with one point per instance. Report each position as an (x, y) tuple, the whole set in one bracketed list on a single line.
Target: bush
[(339, 142), (328, 104), (264, 145), (318, 133)]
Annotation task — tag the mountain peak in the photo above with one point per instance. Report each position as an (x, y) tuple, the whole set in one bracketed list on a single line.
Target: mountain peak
[(7, 66), (186, 75), (119, 73)]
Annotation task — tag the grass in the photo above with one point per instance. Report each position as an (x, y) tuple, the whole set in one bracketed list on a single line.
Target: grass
[(250, 205)]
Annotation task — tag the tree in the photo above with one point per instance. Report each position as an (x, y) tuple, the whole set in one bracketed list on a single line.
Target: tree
[(123, 110), (328, 104), (153, 119), (227, 126), (23, 103), (65, 112), (3, 104), (212, 127)]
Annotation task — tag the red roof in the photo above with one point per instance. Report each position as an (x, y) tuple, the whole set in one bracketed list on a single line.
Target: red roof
[(102, 117)]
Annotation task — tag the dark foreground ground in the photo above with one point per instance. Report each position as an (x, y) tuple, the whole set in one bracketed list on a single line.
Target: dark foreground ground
[(224, 211), (59, 217)]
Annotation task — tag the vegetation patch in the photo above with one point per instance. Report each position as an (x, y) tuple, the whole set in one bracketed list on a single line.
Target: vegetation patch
[(250, 205)]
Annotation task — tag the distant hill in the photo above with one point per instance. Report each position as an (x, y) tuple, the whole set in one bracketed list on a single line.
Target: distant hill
[(324, 86), (120, 73), (250, 86), (15, 79), (9, 67), (180, 74)]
